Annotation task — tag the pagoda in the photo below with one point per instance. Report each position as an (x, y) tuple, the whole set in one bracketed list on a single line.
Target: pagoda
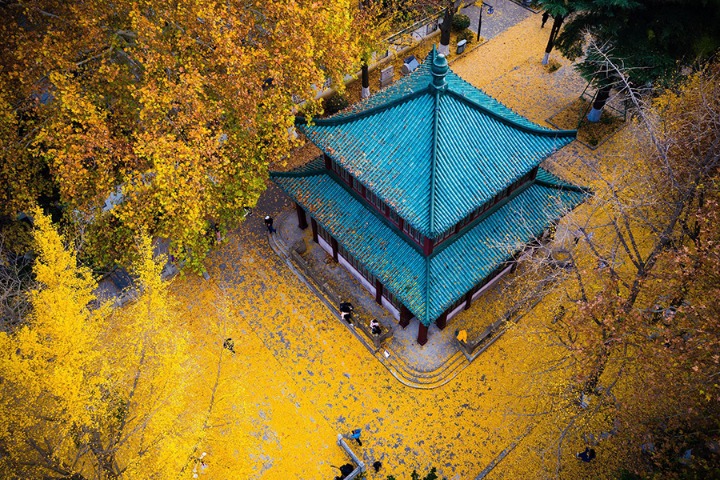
[(428, 191)]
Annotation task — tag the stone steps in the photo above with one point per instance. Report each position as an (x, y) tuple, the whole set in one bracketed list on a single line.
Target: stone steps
[(424, 380)]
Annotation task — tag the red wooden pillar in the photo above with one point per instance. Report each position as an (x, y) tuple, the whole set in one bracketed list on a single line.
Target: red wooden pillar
[(468, 299), (302, 219), (314, 226), (441, 322), (334, 246), (378, 291), (427, 246), (405, 316), (422, 337)]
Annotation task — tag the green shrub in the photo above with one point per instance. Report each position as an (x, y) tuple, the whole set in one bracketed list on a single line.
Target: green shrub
[(334, 104), (466, 34), (460, 22), (553, 65)]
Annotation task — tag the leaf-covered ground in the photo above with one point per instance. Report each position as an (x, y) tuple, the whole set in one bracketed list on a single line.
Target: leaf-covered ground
[(298, 378)]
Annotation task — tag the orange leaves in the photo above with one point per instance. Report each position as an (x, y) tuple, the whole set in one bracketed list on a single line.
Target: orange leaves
[(147, 88)]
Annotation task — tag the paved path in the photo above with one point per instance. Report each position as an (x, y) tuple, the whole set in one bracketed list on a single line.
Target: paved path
[(303, 377), (505, 15), (428, 366)]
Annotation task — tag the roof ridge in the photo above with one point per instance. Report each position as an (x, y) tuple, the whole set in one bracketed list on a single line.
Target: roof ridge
[(433, 162), (539, 130), (299, 120), (439, 67)]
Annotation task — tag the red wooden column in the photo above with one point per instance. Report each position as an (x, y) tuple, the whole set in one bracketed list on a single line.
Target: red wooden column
[(378, 291), (314, 226), (422, 337), (302, 219), (405, 316), (468, 299), (427, 246), (441, 322), (334, 246)]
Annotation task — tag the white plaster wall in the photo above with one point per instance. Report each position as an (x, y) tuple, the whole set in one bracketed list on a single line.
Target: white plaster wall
[(371, 288), (491, 282), (356, 274)]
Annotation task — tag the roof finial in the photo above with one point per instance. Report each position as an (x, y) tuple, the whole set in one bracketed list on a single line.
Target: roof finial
[(439, 69)]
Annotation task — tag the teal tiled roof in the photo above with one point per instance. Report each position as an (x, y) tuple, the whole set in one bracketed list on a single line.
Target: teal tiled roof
[(427, 286), (434, 155)]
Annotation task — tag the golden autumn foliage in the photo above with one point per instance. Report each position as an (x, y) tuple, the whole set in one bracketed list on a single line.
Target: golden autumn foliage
[(51, 368), (105, 394), (637, 314), (173, 108)]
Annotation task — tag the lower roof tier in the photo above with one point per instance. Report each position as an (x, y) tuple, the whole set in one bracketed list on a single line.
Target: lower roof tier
[(427, 286)]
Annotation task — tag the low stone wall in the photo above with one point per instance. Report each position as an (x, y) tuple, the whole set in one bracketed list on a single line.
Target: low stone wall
[(334, 299), (360, 468)]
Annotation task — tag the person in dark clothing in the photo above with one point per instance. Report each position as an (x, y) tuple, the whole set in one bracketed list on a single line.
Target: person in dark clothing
[(346, 311), (586, 456), (377, 466), (355, 435), (229, 344), (269, 224), (218, 234), (375, 327), (345, 471), (545, 17)]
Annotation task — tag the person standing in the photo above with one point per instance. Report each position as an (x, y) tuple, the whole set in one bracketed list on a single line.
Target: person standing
[(229, 344), (346, 311), (545, 17), (355, 435), (269, 224), (587, 455)]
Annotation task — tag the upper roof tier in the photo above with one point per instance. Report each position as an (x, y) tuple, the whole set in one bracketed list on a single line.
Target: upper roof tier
[(434, 147)]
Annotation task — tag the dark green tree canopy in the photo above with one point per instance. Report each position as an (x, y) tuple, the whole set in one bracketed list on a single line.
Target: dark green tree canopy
[(649, 38)]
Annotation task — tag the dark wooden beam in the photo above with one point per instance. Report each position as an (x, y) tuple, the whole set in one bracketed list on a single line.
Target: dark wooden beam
[(428, 245), (422, 337), (334, 246), (328, 162), (378, 291), (441, 322), (468, 299), (314, 226), (405, 316), (302, 219)]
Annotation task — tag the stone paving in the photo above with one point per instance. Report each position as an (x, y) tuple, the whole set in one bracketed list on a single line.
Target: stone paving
[(305, 378), (505, 15), (431, 365)]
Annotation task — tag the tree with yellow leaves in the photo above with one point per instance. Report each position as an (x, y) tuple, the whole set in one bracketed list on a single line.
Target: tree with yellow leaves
[(51, 369), (90, 393), (157, 115), (637, 316)]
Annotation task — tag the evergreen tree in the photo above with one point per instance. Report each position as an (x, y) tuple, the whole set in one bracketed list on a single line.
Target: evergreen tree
[(651, 39)]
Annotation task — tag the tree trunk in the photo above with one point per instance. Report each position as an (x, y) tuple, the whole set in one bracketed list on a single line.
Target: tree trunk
[(365, 93), (557, 23), (445, 31), (600, 100), (590, 385)]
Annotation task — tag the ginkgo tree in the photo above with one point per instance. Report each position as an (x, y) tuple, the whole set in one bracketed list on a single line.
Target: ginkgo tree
[(89, 392), (635, 314), (158, 115)]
